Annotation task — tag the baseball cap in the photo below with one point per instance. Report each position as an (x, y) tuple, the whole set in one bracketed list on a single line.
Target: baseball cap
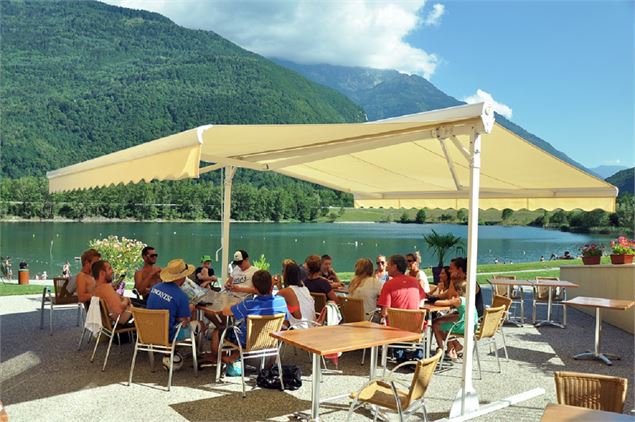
[(206, 258), (239, 256)]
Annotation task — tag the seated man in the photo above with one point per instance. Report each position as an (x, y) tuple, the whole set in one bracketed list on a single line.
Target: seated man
[(204, 275), (327, 272), (240, 280), (84, 281), (401, 291), (148, 275), (168, 295), (264, 303), (315, 282), (118, 307)]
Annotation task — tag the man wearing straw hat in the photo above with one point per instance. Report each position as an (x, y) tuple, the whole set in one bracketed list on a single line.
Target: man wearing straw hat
[(168, 295)]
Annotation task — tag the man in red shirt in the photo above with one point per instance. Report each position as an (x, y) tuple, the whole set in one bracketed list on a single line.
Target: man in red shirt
[(401, 291)]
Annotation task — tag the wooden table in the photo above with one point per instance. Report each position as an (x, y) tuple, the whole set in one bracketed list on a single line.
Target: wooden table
[(509, 283), (599, 303), (429, 307), (321, 341), (562, 412)]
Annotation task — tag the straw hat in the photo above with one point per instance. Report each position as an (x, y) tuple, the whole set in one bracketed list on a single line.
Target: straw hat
[(176, 270)]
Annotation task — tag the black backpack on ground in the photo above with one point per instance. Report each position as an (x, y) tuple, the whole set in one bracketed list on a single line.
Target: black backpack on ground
[(270, 378)]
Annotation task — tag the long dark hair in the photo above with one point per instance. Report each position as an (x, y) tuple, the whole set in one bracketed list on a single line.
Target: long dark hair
[(291, 275)]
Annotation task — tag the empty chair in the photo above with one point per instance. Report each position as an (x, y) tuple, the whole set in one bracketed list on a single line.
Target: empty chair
[(62, 300), (352, 309), (515, 293), (383, 391), (541, 297), (109, 330), (412, 320), (152, 336), (593, 391), (259, 343), (498, 301)]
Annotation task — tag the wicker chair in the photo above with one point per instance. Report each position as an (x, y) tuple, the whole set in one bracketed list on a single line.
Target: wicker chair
[(598, 392), (152, 336), (352, 310), (109, 330), (62, 300), (541, 297), (412, 320), (259, 343), (383, 391), (515, 293), (320, 302), (498, 301)]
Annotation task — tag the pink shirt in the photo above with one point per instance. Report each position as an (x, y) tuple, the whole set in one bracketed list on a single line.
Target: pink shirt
[(401, 292)]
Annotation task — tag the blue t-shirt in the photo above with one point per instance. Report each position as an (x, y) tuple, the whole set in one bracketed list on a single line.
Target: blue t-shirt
[(259, 305), (170, 296)]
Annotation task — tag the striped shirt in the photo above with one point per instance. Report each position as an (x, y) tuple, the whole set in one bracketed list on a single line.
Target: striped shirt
[(259, 305)]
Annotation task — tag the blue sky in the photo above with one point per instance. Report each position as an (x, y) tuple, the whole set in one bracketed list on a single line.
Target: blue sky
[(562, 69)]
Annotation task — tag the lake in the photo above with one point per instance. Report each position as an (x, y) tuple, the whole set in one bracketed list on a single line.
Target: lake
[(45, 246)]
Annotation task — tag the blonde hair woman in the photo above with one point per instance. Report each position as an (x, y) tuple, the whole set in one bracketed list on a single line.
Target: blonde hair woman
[(364, 285)]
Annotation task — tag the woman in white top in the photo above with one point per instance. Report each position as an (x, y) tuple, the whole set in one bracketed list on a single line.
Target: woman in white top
[(414, 261), (364, 285), (299, 301)]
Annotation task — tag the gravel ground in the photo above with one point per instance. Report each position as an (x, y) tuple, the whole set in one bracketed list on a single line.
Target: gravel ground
[(43, 377)]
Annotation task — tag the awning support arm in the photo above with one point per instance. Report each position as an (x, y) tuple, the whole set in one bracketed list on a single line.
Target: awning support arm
[(458, 185), (226, 217), (466, 400), (461, 149)]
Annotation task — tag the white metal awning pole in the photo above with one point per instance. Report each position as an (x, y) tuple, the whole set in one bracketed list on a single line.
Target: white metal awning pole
[(226, 217), (466, 400)]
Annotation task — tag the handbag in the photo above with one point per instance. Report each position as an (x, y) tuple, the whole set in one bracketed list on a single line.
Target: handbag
[(270, 378)]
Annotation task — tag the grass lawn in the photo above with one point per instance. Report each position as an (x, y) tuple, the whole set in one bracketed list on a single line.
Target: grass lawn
[(7, 289)]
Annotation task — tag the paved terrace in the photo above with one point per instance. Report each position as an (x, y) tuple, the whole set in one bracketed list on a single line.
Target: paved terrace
[(44, 378)]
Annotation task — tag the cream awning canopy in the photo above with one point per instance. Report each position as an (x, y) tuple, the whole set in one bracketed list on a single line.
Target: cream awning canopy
[(419, 160)]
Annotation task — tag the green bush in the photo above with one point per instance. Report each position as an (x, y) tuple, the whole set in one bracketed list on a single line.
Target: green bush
[(124, 255)]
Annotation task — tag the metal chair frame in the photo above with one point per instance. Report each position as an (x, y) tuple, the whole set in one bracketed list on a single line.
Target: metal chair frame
[(62, 300)]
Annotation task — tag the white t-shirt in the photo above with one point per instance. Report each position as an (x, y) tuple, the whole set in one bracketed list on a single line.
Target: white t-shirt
[(243, 278), (424, 281), (368, 290)]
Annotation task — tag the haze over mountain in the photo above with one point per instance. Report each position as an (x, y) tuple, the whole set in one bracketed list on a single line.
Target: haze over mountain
[(386, 93), (607, 171), (81, 79)]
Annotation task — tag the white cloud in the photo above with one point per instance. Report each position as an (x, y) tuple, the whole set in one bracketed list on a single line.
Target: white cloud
[(481, 96), (433, 18), (348, 33)]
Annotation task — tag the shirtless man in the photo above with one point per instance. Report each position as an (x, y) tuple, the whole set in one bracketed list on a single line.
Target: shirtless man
[(85, 281), (148, 275)]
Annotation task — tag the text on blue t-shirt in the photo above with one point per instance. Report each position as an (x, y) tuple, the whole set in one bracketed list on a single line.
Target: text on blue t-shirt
[(170, 296)]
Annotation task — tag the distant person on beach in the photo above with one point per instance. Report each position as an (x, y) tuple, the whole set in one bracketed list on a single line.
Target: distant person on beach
[(66, 270), (204, 275), (542, 258), (553, 256), (327, 271), (84, 280), (566, 255), (495, 260), (148, 276)]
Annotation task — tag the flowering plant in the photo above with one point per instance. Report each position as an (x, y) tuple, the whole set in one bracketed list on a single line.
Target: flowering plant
[(124, 255), (592, 250), (623, 246)]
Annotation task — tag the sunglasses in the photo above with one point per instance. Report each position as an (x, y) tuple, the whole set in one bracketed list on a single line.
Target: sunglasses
[(411, 260), (380, 263), (154, 255)]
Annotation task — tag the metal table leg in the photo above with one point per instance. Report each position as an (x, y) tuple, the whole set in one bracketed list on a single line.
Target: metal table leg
[(510, 320), (548, 321), (596, 354), (315, 387)]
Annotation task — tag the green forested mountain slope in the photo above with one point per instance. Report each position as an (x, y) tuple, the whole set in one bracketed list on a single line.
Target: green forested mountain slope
[(388, 93), (624, 180), (80, 79)]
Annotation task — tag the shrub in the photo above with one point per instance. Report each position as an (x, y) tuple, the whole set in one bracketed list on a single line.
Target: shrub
[(124, 255)]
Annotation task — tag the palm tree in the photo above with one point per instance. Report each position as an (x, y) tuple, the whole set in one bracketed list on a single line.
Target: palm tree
[(441, 244)]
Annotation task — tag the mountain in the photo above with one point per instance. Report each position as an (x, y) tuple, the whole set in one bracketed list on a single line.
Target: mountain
[(624, 180), (606, 171), (388, 93), (81, 79)]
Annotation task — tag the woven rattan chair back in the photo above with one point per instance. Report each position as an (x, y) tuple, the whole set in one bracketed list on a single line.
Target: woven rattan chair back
[(105, 315), (152, 326), (542, 292), (258, 329), (498, 301), (412, 320), (422, 376), (491, 321), (62, 296), (593, 391), (352, 309), (320, 301), (502, 290)]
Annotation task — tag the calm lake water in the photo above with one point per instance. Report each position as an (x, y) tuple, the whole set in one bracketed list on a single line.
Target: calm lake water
[(45, 246)]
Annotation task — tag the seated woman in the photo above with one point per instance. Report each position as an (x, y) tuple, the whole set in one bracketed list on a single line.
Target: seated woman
[(364, 285), (443, 285), (442, 325), (300, 304)]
